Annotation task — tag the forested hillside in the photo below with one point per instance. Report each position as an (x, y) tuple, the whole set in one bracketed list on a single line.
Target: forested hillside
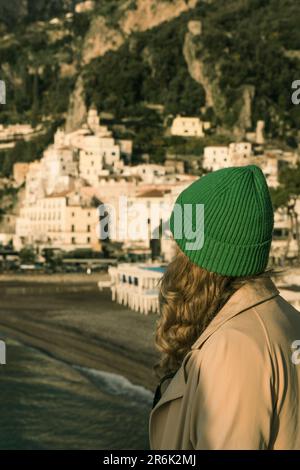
[(229, 61)]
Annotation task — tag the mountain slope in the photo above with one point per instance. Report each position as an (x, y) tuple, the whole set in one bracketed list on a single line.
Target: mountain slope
[(229, 61)]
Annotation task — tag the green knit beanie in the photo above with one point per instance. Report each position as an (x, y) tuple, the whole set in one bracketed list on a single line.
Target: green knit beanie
[(224, 221)]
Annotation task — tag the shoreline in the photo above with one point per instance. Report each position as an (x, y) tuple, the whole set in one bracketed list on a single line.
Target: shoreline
[(83, 328), (13, 284), (135, 372)]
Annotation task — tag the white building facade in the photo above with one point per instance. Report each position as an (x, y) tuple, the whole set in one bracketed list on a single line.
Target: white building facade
[(50, 214), (57, 221), (187, 127)]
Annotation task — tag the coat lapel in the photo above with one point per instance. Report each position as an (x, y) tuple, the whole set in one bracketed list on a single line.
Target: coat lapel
[(174, 389)]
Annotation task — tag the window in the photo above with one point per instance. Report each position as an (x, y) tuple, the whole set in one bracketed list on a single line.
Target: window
[(73, 228), (73, 241), (88, 228), (280, 233), (88, 240)]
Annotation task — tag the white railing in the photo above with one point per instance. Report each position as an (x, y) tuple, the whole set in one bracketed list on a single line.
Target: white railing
[(136, 286)]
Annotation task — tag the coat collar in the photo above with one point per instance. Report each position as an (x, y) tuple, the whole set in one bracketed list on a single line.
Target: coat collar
[(252, 293)]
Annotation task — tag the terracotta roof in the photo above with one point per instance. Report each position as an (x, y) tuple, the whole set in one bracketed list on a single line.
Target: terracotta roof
[(152, 193), (61, 194)]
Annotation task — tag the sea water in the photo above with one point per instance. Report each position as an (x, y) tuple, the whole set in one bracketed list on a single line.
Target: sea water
[(47, 404)]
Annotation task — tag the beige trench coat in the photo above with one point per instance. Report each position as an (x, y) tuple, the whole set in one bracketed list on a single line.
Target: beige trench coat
[(239, 386)]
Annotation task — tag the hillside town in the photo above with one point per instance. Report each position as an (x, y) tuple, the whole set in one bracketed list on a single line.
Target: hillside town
[(58, 196)]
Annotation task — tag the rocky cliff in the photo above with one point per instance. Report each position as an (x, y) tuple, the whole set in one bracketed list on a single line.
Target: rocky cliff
[(146, 14), (194, 55)]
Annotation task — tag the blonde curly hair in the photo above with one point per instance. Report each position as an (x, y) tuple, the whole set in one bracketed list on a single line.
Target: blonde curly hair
[(190, 297)]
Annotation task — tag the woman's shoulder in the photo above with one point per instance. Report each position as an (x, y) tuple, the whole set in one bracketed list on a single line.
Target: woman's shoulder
[(237, 340)]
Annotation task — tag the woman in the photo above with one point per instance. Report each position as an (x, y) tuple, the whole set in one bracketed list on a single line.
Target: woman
[(229, 378)]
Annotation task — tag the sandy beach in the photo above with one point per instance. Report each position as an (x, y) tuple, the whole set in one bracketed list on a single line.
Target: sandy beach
[(76, 323), (67, 317)]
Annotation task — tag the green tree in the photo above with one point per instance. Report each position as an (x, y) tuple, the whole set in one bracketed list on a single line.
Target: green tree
[(27, 255)]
